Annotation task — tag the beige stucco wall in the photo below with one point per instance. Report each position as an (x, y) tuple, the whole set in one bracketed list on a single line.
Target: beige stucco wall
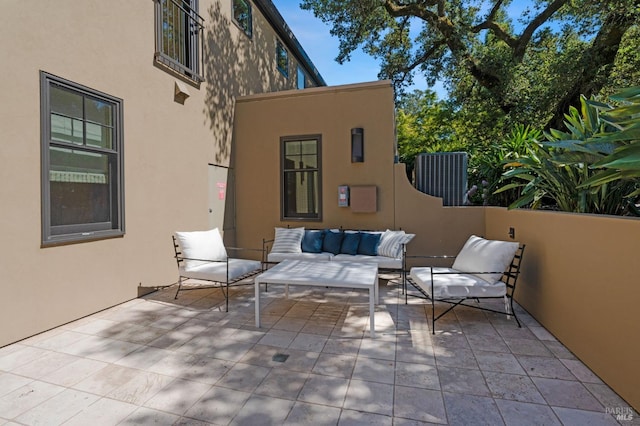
[(580, 281), (168, 147), (261, 120)]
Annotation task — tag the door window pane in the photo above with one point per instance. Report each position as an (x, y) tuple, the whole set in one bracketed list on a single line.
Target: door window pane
[(301, 182)]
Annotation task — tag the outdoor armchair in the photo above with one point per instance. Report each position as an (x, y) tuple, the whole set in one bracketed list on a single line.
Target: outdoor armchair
[(201, 255), (484, 269)]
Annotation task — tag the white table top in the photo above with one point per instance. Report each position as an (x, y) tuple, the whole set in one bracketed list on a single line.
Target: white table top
[(326, 273)]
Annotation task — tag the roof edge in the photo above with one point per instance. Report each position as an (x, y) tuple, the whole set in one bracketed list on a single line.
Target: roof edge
[(272, 15)]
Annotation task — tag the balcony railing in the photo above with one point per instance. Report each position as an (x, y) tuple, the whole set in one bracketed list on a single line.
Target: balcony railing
[(179, 30)]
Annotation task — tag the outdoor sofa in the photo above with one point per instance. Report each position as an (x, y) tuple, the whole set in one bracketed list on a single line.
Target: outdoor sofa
[(386, 248)]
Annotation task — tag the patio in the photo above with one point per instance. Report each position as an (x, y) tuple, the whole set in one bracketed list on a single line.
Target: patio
[(158, 360)]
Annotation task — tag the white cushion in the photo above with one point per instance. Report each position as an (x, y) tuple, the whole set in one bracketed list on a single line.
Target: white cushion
[(217, 271), (479, 255), (202, 245), (288, 240), (382, 261), (391, 243), (279, 257), (455, 285)]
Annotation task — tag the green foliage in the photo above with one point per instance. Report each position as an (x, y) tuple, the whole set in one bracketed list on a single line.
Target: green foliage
[(499, 69), (563, 172), (486, 167), (423, 124)]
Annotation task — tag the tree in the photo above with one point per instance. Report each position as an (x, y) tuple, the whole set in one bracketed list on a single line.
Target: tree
[(530, 69)]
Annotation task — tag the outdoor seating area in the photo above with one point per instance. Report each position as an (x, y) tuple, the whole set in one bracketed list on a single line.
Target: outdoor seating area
[(158, 360)]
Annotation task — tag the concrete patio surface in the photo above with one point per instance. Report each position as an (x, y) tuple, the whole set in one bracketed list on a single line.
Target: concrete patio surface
[(156, 360)]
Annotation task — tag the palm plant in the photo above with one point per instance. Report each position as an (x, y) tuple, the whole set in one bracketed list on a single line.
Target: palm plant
[(564, 171)]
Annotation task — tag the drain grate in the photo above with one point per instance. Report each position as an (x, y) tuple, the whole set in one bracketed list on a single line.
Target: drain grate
[(280, 357)]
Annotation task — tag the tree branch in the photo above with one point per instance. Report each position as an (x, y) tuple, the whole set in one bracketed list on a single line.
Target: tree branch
[(524, 39), (594, 61)]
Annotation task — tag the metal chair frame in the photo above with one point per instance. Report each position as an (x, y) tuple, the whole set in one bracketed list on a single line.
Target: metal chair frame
[(224, 286), (509, 277)]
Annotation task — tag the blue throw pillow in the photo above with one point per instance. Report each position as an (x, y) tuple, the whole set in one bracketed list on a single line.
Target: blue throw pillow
[(332, 242), (312, 241), (350, 243), (369, 242)]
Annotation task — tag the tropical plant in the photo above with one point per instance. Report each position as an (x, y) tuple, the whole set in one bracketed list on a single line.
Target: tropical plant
[(623, 164), (563, 172), (486, 167)]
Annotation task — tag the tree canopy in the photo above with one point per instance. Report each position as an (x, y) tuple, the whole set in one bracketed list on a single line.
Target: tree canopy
[(528, 65)]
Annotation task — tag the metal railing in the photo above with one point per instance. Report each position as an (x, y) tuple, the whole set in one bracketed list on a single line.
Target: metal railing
[(179, 31)]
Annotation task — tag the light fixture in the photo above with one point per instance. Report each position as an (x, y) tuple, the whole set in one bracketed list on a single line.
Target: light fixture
[(357, 145)]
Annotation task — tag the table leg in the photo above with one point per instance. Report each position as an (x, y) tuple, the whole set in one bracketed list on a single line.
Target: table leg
[(376, 285), (372, 297), (257, 284)]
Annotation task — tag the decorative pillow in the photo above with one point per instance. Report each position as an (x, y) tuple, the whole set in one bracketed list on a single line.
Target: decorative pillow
[(288, 240), (332, 241), (391, 243), (203, 245), (312, 241), (369, 242), (480, 255), (350, 243)]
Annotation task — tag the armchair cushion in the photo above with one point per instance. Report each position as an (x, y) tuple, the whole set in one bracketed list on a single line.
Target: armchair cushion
[(479, 255), (447, 283), (288, 240), (217, 271), (202, 245)]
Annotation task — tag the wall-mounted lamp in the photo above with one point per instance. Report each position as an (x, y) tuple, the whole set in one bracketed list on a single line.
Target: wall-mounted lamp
[(357, 145)]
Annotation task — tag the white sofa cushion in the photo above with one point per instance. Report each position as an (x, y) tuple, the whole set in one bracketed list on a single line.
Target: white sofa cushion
[(279, 257), (391, 243), (455, 285), (217, 271), (382, 261), (203, 245), (288, 240), (479, 255)]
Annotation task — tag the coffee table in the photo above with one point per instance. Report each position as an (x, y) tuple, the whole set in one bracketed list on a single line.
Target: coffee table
[(324, 274)]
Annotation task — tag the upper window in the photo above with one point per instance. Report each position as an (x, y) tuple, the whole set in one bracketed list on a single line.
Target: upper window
[(282, 58), (178, 37), (82, 191), (302, 78), (301, 177), (242, 15)]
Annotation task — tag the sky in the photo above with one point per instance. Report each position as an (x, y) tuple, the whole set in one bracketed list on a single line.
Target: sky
[(322, 49)]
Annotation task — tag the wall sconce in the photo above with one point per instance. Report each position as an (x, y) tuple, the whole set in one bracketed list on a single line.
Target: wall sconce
[(357, 145)]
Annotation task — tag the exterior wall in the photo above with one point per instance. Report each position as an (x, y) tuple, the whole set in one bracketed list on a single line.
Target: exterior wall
[(580, 281), (168, 147), (261, 121)]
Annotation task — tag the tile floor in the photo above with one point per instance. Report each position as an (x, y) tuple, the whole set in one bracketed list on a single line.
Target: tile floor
[(155, 360)]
